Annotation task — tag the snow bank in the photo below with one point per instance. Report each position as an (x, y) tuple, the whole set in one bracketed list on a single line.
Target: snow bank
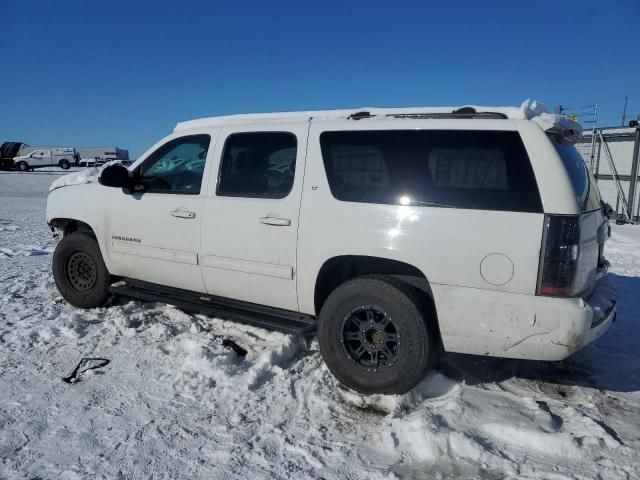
[(434, 386), (88, 175)]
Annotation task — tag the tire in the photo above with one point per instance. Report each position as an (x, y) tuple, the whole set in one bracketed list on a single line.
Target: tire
[(395, 307), (64, 164), (22, 166), (79, 271)]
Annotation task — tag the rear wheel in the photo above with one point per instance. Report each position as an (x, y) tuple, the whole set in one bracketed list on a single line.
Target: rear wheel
[(22, 166), (64, 164), (375, 337), (79, 271)]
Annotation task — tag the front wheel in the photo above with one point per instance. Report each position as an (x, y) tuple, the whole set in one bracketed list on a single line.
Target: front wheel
[(375, 337), (79, 271), (22, 166), (64, 164)]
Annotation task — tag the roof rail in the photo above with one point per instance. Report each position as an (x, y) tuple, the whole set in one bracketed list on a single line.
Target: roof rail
[(486, 115), (454, 114)]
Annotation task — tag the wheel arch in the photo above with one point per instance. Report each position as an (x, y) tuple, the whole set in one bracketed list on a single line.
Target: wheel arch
[(17, 165), (338, 269), (64, 226)]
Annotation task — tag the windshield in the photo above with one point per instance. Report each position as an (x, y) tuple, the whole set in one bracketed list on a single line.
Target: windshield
[(583, 182)]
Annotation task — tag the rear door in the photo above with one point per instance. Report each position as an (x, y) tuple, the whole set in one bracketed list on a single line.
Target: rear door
[(250, 217)]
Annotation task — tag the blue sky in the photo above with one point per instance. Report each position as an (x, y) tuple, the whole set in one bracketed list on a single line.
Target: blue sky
[(79, 72)]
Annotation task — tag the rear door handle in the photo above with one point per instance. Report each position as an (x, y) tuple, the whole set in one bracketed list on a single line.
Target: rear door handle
[(182, 213), (277, 221)]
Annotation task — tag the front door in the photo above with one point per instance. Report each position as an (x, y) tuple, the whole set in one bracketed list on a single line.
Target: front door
[(154, 233), (39, 158), (250, 217)]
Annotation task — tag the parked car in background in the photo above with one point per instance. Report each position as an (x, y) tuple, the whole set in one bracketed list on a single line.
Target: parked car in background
[(62, 157), (396, 233)]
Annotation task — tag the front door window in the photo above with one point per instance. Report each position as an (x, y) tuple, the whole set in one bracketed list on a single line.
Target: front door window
[(176, 167)]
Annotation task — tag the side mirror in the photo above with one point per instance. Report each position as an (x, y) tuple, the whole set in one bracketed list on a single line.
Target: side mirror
[(114, 176)]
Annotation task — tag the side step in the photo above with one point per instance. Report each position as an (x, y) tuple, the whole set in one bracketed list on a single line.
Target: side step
[(271, 318)]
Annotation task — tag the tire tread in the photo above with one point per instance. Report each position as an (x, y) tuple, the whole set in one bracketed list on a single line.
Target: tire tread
[(413, 300)]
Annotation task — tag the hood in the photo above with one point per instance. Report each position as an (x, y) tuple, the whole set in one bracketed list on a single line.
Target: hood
[(88, 175)]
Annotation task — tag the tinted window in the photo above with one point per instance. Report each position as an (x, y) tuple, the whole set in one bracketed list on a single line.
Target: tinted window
[(258, 164), (583, 183), (177, 166), (487, 170)]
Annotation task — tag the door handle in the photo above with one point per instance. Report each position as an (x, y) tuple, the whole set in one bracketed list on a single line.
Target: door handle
[(182, 213), (276, 221)]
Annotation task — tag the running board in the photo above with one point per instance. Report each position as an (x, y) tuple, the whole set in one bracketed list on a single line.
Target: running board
[(270, 318)]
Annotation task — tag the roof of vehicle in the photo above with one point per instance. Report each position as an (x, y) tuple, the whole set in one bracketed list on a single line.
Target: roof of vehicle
[(528, 110)]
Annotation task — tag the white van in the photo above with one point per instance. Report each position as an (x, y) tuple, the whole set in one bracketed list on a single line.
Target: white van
[(62, 157), (395, 233)]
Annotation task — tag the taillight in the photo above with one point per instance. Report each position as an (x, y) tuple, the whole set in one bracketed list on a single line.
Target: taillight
[(559, 256)]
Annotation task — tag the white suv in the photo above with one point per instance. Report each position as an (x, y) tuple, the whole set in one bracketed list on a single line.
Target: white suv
[(395, 233)]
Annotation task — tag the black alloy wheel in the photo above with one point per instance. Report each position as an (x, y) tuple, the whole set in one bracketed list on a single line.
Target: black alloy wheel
[(378, 334), (370, 338)]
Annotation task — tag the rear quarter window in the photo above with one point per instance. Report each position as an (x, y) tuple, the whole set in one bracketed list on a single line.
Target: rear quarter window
[(487, 170), (583, 182)]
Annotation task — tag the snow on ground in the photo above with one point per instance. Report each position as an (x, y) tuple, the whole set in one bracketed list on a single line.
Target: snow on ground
[(175, 403)]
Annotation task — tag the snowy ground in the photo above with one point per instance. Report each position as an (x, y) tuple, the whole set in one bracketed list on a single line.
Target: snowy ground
[(175, 403)]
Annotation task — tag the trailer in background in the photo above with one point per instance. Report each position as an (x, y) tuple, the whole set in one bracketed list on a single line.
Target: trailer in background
[(8, 151)]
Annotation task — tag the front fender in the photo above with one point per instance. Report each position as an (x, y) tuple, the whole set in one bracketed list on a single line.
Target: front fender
[(84, 203)]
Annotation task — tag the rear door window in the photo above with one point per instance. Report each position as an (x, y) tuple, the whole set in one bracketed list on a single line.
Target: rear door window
[(487, 170), (583, 182), (258, 165)]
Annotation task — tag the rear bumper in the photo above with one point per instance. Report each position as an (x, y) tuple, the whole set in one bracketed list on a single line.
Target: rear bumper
[(531, 327)]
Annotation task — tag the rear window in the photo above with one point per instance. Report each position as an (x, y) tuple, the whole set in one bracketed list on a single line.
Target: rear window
[(583, 182), (487, 170)]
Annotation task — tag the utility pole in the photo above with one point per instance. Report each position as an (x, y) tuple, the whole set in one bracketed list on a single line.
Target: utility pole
[(624, 111)]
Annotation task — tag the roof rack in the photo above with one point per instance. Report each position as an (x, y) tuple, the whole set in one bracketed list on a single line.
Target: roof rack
[(463, 112)]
